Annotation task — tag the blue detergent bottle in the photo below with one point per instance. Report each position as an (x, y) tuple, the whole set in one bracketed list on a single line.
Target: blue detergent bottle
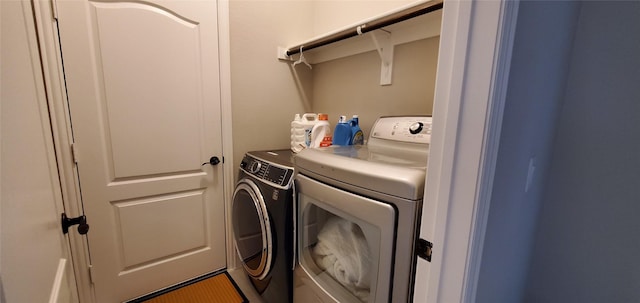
[(357, 136), (342, 132)]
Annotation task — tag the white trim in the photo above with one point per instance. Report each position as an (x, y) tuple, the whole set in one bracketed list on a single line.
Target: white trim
[(224, 51), (62, 138), (60, 291), (470, 94), (451, 64), (64, 282), (497, 98)]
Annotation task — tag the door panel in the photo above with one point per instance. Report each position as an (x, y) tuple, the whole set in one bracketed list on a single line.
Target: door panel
[(168, 218), (143, 87), (175, 71)]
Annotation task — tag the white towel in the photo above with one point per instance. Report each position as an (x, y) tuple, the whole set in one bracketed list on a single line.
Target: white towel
[(343, 252)]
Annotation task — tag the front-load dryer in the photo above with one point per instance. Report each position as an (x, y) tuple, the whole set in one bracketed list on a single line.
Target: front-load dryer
[(262, 215)]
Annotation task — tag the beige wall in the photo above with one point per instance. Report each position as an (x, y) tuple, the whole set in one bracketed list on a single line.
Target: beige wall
[(330, 15), (351, 85), (264, 94)]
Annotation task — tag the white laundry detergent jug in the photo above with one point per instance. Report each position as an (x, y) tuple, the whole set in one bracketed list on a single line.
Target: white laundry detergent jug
[(321, 132), (297, 134), (301, 127)]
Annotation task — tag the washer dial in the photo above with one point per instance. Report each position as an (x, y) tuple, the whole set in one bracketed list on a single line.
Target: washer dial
[(416, 128)]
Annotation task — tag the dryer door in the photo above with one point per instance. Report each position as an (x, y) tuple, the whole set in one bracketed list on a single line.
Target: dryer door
[(345, 245), (252, 229)]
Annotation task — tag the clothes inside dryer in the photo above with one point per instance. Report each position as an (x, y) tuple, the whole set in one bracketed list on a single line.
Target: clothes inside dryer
[(342, 251)]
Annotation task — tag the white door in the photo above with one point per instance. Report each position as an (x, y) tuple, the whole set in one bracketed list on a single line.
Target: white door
[(35, 262), (143, 87)]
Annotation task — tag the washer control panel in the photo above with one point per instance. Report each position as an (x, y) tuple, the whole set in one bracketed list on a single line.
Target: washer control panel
[(412, 129), (271, 173)]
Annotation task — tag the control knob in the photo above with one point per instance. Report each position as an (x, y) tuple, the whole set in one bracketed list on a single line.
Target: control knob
[(255, 167), (416, 128)]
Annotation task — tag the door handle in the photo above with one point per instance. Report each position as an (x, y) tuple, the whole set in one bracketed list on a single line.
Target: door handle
[(213, 161)]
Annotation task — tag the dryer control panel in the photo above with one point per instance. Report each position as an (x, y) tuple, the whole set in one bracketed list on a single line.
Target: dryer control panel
[(268, 172), (410, 129)]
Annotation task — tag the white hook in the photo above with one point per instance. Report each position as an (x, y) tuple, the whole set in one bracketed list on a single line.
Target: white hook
[(302, 59)]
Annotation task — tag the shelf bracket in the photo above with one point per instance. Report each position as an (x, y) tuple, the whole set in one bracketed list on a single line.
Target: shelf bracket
[(384, 46), (282, 54)]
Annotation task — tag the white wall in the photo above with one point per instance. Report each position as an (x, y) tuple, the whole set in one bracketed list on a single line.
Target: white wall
[(537, 80), (588, 245)]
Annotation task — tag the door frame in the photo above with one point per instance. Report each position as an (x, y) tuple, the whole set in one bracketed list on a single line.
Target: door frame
[(44, 14), (472, 79), (63, 287), (53, 72)]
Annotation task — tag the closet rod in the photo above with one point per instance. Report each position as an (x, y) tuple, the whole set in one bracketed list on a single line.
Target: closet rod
[(396, 17)]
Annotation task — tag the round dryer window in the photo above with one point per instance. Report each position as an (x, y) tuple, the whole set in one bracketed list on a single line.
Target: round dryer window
[(252, 229)]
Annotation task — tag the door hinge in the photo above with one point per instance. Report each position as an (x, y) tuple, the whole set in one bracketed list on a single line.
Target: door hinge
[(81, 221), (91, 274), (423, 249), (74, 153)]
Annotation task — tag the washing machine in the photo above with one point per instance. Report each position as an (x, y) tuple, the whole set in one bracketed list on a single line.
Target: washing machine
[(262, 215), (358, 214)]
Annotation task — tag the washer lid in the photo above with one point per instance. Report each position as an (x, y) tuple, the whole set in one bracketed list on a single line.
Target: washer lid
[(393, 171)]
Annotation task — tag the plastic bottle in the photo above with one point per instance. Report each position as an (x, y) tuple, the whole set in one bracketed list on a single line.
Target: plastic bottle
[(342, 132), (357, 136), (297, 134), (308, 121), (319, 131)]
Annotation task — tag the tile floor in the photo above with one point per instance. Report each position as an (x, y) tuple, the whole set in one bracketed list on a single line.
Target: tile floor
[(242, 280)]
